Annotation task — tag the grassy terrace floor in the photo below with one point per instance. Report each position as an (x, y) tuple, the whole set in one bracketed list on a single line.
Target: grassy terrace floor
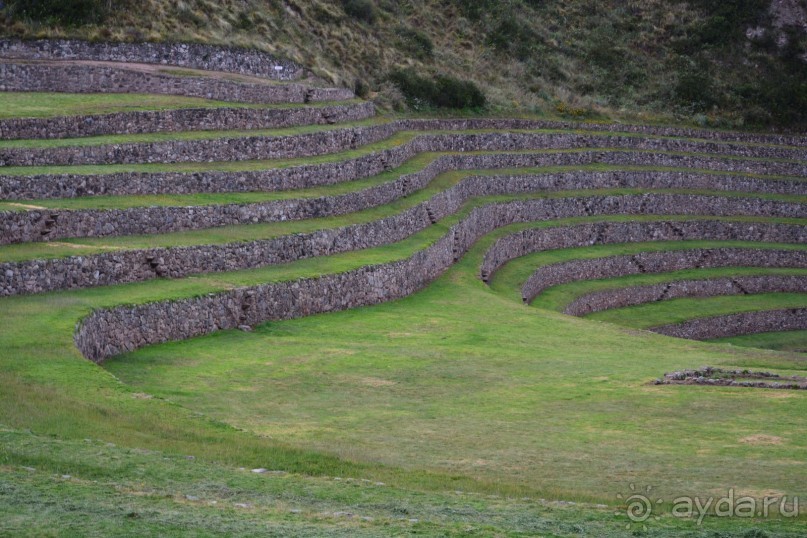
[(678, 310), (49, 105), (791, 341)]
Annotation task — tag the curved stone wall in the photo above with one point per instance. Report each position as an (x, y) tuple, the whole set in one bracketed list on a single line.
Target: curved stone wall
[(711, 287), (17, 187), (186, 119), (108, 332), (657, 262), (191, 55), (343, 139), (53, 77), (534, 240), (39, 225), (250, 118), (38, 276), (789, 319)]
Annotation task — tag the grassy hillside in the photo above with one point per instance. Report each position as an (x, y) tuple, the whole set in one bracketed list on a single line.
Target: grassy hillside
[(706, 61)]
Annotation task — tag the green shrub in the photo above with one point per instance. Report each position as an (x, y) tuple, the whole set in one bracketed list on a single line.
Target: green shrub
[(362, 10), (361, 88), (455, 93), (67, 12), (695, 90), (440, 92)]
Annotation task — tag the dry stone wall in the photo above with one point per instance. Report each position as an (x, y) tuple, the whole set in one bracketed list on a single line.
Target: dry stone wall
[(647, 130), (337, 140), (52, 77), (536, 239), (176, 120), (657, 262), (188, 119), (17, 187), (38, 276), (108, 332), (789, 319), (39, 225), (190, 55), (42, 225), (711, 287)]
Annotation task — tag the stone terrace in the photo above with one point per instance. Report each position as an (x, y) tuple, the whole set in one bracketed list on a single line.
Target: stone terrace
[(298, 170)]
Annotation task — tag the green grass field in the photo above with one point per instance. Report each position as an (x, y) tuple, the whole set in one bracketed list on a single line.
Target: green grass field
[(457, 411), (562, 409), (430, 382)]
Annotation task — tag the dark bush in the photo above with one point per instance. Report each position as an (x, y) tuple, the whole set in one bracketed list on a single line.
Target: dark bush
[(441, 92), (455, 93), (361, 88), (695, 91), (779, 101), (67, 12), (362, 10)]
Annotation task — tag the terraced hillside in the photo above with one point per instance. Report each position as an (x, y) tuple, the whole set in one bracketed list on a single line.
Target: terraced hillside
[(210, 263)]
